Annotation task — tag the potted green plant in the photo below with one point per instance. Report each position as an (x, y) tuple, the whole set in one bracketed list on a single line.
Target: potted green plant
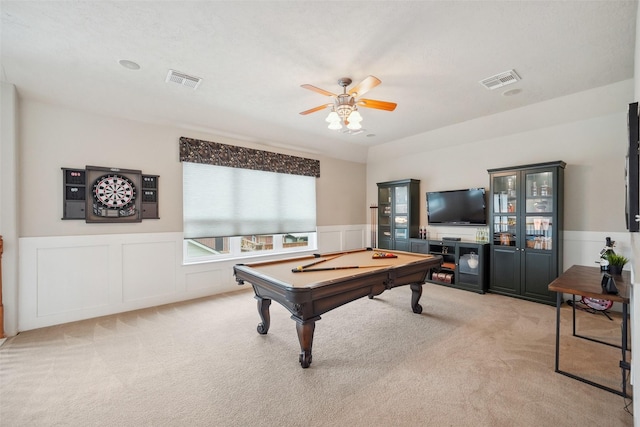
[(616, 263)]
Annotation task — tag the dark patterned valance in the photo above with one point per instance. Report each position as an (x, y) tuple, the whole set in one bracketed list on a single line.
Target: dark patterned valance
[(214, 153)]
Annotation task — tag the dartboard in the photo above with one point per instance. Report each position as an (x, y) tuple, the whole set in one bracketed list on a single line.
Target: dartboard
[(114, 191)]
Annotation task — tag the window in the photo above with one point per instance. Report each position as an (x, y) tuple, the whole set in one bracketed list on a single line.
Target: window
[(225, 201), (218, 248), (230, 211), (206, 247)]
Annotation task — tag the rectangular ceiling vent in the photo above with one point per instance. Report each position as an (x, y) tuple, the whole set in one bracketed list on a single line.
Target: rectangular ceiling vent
[(183, 79), (500, 80)]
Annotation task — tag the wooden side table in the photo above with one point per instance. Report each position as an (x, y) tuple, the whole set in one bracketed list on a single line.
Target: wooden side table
[(586, 281)]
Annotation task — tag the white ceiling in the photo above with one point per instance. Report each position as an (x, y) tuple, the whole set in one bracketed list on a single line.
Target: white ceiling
[(254, 55)]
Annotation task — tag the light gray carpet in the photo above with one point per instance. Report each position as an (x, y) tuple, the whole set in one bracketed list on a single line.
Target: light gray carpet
[(467, 360)]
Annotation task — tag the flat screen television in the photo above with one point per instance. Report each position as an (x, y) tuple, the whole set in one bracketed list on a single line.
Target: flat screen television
[(632, 175), (457, 207)]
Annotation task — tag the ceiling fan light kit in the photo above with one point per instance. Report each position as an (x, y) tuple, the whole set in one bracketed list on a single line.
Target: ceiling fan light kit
[(344, 109)]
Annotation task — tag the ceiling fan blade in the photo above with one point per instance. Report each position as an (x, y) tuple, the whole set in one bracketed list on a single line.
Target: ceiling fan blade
[(313, 110), (318, 90), (365, 86), (380, 105)]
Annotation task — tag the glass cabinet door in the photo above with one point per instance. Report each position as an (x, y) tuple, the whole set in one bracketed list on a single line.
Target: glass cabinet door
[(400, 200), (384, 194), (400, 219), (384, 212), (505, 207), (539, 211), (505, 195), (539, 192), (539, 232)]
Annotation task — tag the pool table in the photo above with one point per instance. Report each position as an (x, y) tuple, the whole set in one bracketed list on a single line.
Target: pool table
[(312, 285)]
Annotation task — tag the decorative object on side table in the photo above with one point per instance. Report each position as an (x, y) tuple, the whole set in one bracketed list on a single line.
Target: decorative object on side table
[(605, 252), (616, 263)]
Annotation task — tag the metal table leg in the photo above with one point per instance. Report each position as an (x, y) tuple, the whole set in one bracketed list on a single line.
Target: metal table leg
[(624, 365)]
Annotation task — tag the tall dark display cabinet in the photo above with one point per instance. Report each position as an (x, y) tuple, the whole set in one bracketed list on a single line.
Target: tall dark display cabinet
[(398, 213), (526, 214)]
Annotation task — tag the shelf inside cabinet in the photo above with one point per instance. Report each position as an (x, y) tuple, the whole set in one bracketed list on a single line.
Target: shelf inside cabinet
[(74, 193), (443, 277), (150, 197)]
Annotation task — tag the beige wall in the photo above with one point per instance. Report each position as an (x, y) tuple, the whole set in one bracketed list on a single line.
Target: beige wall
[(9, 218), (592, 140), (341, 193), (52, 137)]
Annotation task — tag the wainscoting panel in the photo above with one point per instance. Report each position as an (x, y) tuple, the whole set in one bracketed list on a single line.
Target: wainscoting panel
[(206, 281), (148, 270), (583, 248), (329, 241), (70, 279), (342, 237), (354, 239)]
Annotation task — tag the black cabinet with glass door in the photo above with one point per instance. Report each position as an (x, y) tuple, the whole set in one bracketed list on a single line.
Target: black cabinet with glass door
[(398, 213), (526, 215), (464, 264)]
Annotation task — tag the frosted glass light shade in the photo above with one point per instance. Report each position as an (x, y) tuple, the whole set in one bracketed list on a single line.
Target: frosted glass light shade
[(333, 117), (355, 116)]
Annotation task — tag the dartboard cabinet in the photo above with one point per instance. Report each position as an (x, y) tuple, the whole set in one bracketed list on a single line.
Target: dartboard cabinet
[(102, 194)]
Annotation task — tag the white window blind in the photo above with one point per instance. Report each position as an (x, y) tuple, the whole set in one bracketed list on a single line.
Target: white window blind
[(223, 201)]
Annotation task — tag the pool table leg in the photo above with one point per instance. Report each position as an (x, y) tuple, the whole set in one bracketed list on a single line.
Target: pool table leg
[(416, 293), (263, 309), (305, 329)]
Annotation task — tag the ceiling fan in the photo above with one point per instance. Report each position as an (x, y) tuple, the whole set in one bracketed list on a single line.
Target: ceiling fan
[(344, 108)]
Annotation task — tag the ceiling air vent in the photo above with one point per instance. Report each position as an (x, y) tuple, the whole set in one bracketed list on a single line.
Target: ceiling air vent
[(499, 80), (183, 79)]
